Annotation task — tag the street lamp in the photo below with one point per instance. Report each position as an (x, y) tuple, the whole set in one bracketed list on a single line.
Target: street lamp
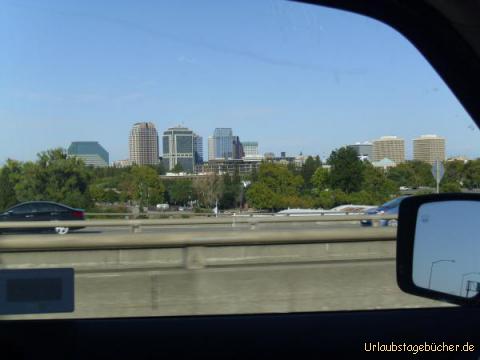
[(463, 279), (431, 269)]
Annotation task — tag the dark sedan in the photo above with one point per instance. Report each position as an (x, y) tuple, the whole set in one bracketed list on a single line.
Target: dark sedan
[(389, 208), (43, 211)]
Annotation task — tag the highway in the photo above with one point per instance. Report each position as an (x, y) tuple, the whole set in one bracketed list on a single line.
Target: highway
[(191, 279), (206, 228)]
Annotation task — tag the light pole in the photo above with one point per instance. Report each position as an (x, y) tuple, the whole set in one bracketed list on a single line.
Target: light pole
[(463, 279), (431, 269)]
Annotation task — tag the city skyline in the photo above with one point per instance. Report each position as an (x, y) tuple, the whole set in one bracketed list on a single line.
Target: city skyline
[(322, 152), (197, 150), (307, 84), (196, 147)]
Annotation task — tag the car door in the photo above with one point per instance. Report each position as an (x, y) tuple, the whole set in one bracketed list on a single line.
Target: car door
[(61, 213), (43, 211), (54, 212)]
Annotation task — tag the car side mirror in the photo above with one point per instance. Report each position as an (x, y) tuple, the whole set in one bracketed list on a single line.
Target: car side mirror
[(438, 247)]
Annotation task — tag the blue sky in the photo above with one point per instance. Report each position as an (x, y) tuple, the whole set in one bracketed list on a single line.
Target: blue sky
[(293, 77)]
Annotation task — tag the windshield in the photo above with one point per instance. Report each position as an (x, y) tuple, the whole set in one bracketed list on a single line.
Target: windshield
[(217, 157), (394, 203)]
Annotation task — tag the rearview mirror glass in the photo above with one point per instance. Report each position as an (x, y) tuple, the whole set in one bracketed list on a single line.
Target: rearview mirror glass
[(447, 247), (438, 247)]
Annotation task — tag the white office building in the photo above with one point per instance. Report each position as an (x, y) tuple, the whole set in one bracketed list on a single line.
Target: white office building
[(143, 144)]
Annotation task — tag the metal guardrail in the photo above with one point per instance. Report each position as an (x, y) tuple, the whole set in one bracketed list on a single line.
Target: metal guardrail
[(224, 214), (136, 225), (150, 214), (191, 239)]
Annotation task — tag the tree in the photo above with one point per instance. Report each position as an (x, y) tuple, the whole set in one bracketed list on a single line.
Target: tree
[(346, 172), (208, 189), (279, 179), (110, 184), (376, 184), (412, 174), (178, 168), (292, 167), (111, 196), (260, 196), (320, 179), (331, 198), (454, 173), (179, 191), (160, 169), (55, 177), (401, 175), (295, 201), (422, 173), (472, 174), (254, 175), (230, 192), (145, 186), (283, 188), (7, 190), (365, 198), (308, 169), (100, 193), (450, 187)]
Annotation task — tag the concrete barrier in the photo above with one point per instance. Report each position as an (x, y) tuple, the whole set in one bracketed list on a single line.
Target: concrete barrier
[(137, 275)]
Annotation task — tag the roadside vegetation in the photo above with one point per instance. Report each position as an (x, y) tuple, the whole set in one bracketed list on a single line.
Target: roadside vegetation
[(348, 180)]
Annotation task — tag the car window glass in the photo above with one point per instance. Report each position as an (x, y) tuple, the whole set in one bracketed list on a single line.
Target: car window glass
[(46, 207), (23, 209), (217, 148), (392, 204)]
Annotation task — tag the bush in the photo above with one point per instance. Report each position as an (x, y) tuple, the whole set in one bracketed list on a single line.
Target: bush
[(365, 198), (109, 209), (329, 199), (450, 187)]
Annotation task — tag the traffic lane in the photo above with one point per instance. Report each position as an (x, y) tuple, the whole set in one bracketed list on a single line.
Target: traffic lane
[(202, 228), (232, 290), (218, 228)]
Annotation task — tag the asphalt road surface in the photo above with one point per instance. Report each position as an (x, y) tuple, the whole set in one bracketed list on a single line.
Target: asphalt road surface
[(208, 228)]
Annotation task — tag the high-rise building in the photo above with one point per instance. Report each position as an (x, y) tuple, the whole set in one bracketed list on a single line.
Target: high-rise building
[(429, 148), (238, 152), (178, 148), (363, 150), (223, 145), (223, 138), (143, 144), (211, 148), (389, 147), (198, 149), (91, 152), (250, 148)]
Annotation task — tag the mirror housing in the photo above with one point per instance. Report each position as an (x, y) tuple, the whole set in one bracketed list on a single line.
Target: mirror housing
[(438, 247)]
